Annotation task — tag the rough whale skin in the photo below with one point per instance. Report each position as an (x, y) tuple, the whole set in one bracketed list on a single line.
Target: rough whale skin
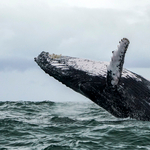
[(119, 91)]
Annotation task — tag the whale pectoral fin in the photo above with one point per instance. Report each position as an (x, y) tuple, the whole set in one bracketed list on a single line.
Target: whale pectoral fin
[(114, 69)]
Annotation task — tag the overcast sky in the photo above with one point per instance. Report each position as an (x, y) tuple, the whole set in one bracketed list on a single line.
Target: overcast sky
[(81, 28)]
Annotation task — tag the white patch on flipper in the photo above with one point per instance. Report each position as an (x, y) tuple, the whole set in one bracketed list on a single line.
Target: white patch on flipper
[(116, 63)]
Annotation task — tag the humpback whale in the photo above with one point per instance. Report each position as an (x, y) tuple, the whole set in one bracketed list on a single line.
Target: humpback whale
[(119, 91)]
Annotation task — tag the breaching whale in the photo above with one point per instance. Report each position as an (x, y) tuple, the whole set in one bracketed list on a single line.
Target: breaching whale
[(119, 91)]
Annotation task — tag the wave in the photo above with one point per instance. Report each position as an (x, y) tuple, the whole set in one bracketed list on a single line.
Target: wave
[(62, 120), (55, 125)]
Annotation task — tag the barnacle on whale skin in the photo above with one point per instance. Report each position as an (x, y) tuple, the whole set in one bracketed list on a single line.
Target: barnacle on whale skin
[(54, 56)]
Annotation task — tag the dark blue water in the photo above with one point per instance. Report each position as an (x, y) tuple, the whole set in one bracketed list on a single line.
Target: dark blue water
[(68, 126)]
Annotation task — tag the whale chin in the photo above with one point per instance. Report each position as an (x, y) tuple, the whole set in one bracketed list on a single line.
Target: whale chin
[(119, 91)]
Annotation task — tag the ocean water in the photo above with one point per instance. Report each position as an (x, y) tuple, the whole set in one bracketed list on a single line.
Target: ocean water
[(50, 125)]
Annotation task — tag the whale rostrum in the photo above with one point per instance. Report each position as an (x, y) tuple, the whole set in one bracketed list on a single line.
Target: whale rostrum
[(119, 91)]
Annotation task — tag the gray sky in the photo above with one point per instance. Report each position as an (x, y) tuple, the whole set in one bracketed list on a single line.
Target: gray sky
[(81, 28)]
